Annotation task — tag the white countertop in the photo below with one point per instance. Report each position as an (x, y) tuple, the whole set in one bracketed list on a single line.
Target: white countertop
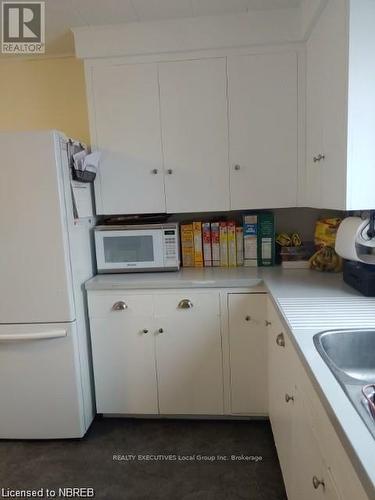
[(309, 302)]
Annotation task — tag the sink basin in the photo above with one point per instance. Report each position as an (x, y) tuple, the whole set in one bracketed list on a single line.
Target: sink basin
[(350, 355), (350, 351)]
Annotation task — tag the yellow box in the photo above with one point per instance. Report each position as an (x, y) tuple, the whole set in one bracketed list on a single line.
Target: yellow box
[(187, 245), (198, 245), (223, 244), (232, 249)]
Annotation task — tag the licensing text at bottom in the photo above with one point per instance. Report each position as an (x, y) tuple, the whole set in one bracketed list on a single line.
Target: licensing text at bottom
[(47, 493)]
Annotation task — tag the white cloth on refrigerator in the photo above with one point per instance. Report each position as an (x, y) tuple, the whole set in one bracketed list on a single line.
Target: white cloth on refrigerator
[(91, 161), (79, 160)]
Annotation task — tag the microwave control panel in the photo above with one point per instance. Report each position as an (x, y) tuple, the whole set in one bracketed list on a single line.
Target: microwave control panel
[(171, 257)]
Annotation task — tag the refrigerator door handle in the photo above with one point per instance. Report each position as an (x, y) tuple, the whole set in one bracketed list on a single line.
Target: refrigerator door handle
[(54, 334)]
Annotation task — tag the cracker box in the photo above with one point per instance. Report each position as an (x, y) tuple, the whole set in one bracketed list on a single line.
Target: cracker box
[(250, 241), (232, 249), (187, 245), (215, 244), (223, 244), (266, 239), (198, 246), (207, 250), (239, 245)]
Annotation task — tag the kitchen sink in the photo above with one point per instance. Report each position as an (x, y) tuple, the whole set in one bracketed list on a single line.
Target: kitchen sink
[(350, 355)]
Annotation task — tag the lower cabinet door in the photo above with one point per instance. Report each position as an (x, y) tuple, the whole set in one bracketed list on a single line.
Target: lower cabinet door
[(188, 353), (280, 391), (123, 348), (311, 479), (248, 353)]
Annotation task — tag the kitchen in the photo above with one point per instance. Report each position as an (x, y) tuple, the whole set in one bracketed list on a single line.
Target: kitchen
[(186, 269)]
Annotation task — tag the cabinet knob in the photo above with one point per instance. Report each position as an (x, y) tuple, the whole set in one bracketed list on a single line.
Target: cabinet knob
[(288, 398), (154, 171), (320, 157), (268, 323), (144, 330), (185, 304), (280, 341), (169, 171), (160, 330), (247, 318), (119, 306), (317, 482), (237, 167)]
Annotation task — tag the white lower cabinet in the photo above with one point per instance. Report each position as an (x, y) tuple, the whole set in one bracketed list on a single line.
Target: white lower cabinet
[(281, 391), (311, 477), (123, 349), (313, 462), (188, 353), (248, 353), (157, 352)]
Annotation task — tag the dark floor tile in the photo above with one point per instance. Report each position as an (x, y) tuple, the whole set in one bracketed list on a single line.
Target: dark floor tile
[(88, 462)]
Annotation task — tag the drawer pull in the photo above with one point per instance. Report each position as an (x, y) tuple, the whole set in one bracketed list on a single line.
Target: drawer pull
[(280, 341), (288, 398), (119, 306), (160, 330), (144, 330), (318, 482), (185, 304), (247, 318)]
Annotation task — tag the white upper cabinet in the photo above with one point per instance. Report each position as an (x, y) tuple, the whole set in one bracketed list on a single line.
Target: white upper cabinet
[(341, 107), (263, 131), (195, 134), (125, 126)]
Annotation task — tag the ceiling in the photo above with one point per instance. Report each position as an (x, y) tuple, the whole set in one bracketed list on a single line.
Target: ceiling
[(61, 15)]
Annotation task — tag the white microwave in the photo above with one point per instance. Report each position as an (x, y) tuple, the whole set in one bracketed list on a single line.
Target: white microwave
[(140, 248)]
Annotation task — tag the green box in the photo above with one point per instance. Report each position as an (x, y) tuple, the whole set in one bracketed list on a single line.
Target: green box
[(266, 239)]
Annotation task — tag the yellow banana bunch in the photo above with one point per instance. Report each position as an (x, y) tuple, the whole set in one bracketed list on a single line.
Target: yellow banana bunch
[(284, 240), (326, 259)]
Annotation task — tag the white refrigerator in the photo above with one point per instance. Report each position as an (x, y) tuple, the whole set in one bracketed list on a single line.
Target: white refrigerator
[(46, 255)]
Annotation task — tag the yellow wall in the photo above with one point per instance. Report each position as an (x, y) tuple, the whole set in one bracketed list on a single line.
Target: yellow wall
[(44, 94)]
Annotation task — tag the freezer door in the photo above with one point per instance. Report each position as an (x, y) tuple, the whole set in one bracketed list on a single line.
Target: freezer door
[(35, 283), (40, 387)]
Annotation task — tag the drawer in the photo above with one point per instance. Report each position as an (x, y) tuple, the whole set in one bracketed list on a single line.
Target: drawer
[(187, 303), (103, 304)]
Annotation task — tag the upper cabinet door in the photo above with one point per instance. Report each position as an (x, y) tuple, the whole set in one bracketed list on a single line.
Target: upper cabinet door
[(193, 101), (263, 130), (127, 131)]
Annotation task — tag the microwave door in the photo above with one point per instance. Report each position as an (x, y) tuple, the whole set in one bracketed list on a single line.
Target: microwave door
[(130, 250)]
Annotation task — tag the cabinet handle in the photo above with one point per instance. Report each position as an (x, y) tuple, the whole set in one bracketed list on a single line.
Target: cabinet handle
[(144, 330), (247, 318), (237, 167), (154, 171), (280, 341), (185, 304), (268, 323), (319, 157), (160, 330), (119, 306), (169, 171), (318, 482), (288, 398)]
